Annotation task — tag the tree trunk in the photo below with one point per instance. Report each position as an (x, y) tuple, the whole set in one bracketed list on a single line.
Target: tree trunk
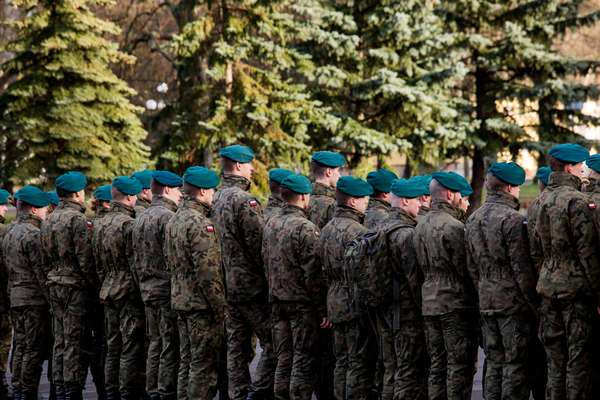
[(478, 173)]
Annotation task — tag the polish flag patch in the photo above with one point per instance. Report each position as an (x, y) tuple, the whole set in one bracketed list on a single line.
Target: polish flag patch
[(210, 228), (90, 225), (592, 206), (253, 203)]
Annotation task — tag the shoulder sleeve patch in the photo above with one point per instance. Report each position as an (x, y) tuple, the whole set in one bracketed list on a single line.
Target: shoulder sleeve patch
[(90, 224), (253, 203), (317, 233), (210, 228), (592, 206)]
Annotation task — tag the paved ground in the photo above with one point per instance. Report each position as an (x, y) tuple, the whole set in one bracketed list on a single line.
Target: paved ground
[(91, 395)]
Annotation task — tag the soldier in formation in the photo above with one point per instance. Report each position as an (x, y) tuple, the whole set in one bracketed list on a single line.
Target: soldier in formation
[(186, 265)]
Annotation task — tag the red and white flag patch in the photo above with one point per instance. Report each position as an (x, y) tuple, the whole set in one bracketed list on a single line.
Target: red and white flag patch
[(210, 228), (592, 206), (90, 225), (253, 203)]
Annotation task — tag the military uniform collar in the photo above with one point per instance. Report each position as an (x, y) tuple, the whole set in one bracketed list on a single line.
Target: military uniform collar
[(424, 210), (236, 180), (164, 202), (320, 189), (142, 202), (196, 205), (593, 186), (101, 211), (560, 178), (68, 203), (115, 206), (347, 212), (293, 209), (26, 218), (374, 202), (448, 208), (275, 201), (503, 198), (399, 215)]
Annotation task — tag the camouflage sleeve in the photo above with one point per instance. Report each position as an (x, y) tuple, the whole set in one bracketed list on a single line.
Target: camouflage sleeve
[(455, 245), (82, 240), (535, 247), (4, 302), (307, 245), (206, 258), (129, 253), (97, 254), (37, 261), (251, 223), (409, 265), (583, 231), (472, 267), (419, 251), (515, 232)]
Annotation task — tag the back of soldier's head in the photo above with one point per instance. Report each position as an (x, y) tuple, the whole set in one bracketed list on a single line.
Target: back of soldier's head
[(493, 184)]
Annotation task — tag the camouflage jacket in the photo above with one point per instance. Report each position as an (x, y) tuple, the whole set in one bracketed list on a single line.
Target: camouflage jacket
[(345, 226), (148, 236), (377, 213), (322, 204), (535, 247), (274, 206), (4, 298), (141, 205), (193, 256), (27, 271), (101, 212), (67, 245), (289, 248), (239, 222), (112, 244), (405, 296), (498, 257), (566, 230), (440, 246), (423, 211)]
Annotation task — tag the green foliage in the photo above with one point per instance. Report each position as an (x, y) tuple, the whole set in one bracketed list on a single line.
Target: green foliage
[(64, 108)]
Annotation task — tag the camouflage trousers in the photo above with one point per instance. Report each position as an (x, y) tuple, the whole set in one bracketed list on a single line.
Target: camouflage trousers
[(567, 332), (71, 344), (125, 348), (30, 326), (163, 350), (506, 341), (354, 348), (325, 365), (404, 360), (295, 333), (97, 345), (5, 341), (200, 338), (452, 343), (241, 320)]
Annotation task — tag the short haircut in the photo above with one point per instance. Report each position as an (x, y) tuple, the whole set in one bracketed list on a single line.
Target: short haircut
[(556, 164), (190, 190), (157, 188), (493, 184), (24, 207), (318, 170), (227, 165), (342, 199), (63, 194), (289, 196), (378, 195), (437, 190), (274, 187), (117, 194)]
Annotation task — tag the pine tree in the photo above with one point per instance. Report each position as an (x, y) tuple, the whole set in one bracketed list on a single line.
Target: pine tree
[(64, 108), (508, 47)]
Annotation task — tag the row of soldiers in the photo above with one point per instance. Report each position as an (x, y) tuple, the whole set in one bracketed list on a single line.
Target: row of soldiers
[(141, 293)]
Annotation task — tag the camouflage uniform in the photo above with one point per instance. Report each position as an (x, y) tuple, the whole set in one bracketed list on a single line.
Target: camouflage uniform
[(377, 213), (449, 301), (29, 308), (320, 212), (141, 205), (239, 222), (67, 248), (193, 256), (502, 270), (399, 319), (148, 235), (423, 211), (274, 206), (123, 306), (5, 327), (353, 345), (569, 284), (297, 297)]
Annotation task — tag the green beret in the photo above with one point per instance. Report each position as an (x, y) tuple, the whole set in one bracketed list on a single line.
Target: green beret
[(543, 174), (144, 177), (569, 153), (381, 180), (277, 175), (508, 172), (297, 183), (53, 196), (450, 180), (238, 153), (33, 196), (425, 180), (167, 178), (103, 193), (594, 162), (201, 177), (329, 159), (128, 186), (71, 182), (408, 188), (4, 197), (354, 187), (466, 191)]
